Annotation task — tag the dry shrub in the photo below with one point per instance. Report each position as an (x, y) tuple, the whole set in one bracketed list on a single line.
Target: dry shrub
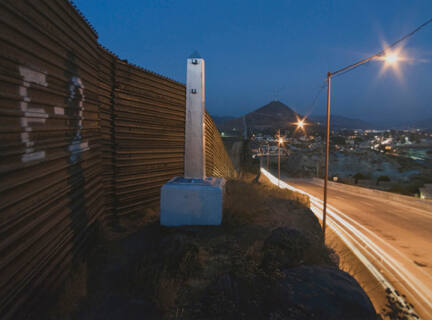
[(130, 223), (285, 193), (72, 293), (262, 204), (174, 268), (242, 203), (254, 252), (165, 295)]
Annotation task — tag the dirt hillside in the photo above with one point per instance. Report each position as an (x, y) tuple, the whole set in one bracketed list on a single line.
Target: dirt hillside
[(266, 261)]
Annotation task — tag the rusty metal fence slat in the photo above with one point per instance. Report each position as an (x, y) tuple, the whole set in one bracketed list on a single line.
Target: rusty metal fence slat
[(85, 138)]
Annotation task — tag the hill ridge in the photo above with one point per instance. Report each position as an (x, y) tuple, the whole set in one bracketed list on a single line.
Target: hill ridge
[(273, 115)]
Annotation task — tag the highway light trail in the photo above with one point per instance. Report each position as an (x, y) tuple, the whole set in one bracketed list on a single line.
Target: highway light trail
[(383, 266)]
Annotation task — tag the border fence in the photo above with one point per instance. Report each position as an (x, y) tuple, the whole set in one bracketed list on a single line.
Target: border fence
[(217, 161), (85, 137)]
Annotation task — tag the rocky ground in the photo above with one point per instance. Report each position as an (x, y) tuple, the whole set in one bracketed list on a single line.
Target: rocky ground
[(266, 261)]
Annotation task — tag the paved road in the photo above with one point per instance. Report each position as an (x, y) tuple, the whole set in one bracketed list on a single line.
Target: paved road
[(393, 236)]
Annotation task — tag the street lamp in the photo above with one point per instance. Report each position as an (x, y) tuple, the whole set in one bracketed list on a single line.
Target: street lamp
[(300, 124), (391, 58), (280, 141), (268, 155)]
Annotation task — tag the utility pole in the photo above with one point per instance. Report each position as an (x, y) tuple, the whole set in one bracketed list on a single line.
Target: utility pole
[(391, 58), (245, 128), (279, 143), (327, 154), (268, 155)]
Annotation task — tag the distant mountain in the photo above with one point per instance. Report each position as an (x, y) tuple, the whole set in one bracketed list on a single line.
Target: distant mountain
[(420, 124), (219, 120), (340, 122), (274, 115)]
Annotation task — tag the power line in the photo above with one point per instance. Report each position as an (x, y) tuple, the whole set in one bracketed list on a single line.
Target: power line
[(312, 105), (410, 34), (381, 53), (317, 95), (362, 62)]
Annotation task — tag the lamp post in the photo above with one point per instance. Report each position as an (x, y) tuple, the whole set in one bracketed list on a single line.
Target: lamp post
[(300, 124), (279, 144), (390, 58), (268, 155), (327, 153)]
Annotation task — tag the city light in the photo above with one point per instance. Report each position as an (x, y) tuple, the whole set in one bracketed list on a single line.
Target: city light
[(301, 124), (281, 140)]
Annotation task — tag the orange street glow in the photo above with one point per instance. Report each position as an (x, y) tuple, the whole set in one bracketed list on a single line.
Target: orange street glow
[(392, 59), (301, 124)]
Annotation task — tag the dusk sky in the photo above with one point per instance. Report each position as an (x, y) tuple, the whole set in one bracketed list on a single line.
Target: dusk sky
[(256, 51)]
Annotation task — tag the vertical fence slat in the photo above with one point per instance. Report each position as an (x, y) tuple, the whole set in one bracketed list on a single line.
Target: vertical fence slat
[(84, 138)]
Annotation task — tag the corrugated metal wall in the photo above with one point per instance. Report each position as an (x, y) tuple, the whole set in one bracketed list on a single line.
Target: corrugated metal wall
[(107, 64), (50, 184), (85, 137), (149, 118), (218, 162)]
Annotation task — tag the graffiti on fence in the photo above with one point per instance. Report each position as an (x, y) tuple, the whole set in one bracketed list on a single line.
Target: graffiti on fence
[(30, 115), (75, 103)]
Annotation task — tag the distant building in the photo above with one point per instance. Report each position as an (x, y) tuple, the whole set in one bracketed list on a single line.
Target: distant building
[(350, 142), (364, 145)]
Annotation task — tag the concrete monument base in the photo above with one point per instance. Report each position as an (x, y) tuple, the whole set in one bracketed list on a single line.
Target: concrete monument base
[(189, 202)]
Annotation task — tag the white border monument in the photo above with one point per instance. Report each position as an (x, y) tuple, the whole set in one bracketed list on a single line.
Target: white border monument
[(193, 199)]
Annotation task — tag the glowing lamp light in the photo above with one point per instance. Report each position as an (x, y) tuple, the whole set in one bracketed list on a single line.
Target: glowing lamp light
[(391, 58), (280, 141), (300, 124)]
